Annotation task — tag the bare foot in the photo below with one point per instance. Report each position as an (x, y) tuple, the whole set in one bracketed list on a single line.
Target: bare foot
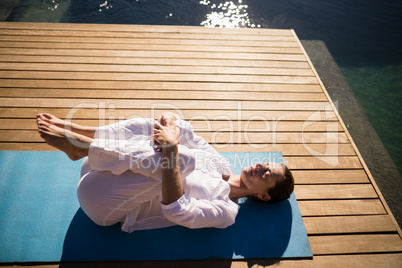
[(53, 120), (64, 140), (67, 125)]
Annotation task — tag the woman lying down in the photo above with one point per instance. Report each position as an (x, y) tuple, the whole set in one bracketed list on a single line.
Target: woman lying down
[(147, 174)]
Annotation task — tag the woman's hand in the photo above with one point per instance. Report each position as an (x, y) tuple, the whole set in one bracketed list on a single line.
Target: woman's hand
[(165, 133)]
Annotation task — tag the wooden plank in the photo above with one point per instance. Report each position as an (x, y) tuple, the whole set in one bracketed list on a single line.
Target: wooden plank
[(347, 244), (190, 115), (151, 69), (323, 162), (156, 61), (356, 261), (26, 146), (147, 34), (152, 54), (150, 47), (341, 207), (343, 191), (198, 125), (286, 149), (165, 94), (273, 138), (161, 104), (141, 28), (330, 176), (296, 149), (212, 137), (349, 224), (152, 41), (191, 42), (162, 85), (276, 79)]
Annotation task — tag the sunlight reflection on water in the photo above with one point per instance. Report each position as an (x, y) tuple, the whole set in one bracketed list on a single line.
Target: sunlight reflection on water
[(105, 5), (53, 5), (227, 15)]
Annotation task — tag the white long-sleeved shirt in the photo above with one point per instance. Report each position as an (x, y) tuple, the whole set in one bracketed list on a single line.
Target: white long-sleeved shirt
[(126, 149)]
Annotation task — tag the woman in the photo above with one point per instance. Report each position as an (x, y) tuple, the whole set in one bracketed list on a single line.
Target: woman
[(148, 174)]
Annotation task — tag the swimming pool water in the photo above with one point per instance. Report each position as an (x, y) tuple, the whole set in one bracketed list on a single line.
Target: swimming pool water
[(364, 37)]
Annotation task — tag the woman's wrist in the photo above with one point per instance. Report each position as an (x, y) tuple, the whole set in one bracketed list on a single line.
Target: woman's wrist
[(170, 156), (170, 144), (172, 148), (158, 147)]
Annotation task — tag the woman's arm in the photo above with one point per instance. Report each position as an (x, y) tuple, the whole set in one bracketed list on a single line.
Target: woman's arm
[(172, 186), (167, 134), (176, 206)]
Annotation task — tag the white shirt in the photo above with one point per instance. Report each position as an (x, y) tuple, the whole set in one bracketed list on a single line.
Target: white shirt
[(127, 147)]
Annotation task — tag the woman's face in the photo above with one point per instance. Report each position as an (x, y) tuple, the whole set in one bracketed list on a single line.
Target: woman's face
[(259, 178)]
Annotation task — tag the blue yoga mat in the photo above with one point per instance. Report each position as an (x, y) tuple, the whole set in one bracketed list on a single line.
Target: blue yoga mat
[(41, 221)]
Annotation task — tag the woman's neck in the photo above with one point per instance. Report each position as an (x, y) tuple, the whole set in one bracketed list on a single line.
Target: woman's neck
[(237, 188)]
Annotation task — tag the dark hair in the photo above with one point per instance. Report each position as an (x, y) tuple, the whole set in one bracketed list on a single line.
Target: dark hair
[(284, 188)]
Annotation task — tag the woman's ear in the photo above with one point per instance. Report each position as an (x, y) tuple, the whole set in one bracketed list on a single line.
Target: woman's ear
[(264, 197)]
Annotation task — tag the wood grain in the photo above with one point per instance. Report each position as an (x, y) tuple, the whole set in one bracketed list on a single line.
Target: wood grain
[(341, 207), (346, 244), (349, 224)]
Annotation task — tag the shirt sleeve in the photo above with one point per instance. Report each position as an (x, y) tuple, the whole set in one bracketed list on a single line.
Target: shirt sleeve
[(191, 140), (194, 213)]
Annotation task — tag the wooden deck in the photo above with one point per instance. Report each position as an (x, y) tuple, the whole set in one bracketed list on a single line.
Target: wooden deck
[(243, 89)]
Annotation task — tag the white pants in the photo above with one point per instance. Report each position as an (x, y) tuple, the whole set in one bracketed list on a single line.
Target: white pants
[(107, 198)]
